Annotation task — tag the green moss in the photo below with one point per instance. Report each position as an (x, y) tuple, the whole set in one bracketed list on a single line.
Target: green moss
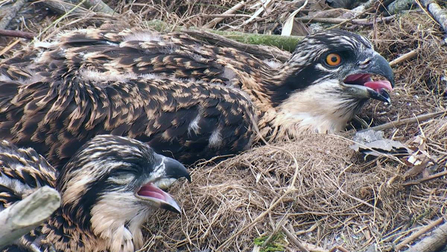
[(275, 244), (287, 43)]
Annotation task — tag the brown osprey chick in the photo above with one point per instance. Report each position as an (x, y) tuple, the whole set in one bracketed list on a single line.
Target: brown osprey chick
[(108, 190), (184, 97)]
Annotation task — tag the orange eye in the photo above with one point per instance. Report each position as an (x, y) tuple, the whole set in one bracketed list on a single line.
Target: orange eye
[(333, 59)]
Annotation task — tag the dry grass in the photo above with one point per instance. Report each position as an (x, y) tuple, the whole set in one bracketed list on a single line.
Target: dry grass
[(337, 199), (421, 81), (316, 186)]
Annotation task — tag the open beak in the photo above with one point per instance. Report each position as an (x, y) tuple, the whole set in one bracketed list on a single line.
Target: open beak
[(361, 84), (158, 198), (168, 170)]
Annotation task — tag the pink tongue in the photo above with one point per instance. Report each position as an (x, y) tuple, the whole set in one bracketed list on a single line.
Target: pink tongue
[(152, 191), (378, 85), (357, 78)]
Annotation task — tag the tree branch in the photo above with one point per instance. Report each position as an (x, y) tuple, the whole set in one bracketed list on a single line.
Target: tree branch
[(27, 214), (434, 242), (11, 13), (437, 12), (19, 34)]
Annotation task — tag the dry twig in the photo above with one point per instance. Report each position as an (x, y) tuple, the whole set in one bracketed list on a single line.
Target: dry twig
[(409, 55), (293, 239), (338, 248), (60, 18), (27, 214), (19, 34), (428, 178), (265, 4), (8, 47), (232, 10), (415, 119), (433, 242), (11, 13), (418, 234)]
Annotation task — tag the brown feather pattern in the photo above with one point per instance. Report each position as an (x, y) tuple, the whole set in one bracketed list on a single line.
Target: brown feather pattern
[(186, 98), (100, 209), (21, 170)]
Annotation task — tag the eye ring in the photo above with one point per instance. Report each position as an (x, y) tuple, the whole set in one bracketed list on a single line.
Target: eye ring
[(333, 59)]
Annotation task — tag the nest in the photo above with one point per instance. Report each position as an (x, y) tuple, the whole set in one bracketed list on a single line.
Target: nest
[(314, 189), (315, 186)]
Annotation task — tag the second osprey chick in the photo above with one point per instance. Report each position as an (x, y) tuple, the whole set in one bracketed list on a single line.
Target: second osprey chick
[(108, 189)]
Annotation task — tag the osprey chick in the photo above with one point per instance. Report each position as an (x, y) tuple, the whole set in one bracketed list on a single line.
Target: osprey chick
[(108, 189), (185, 98)]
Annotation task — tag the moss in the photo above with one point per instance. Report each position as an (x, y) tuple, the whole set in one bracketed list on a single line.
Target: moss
[(276, 243)]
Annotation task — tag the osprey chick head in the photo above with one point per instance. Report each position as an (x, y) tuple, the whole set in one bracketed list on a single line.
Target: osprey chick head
[(111, 185), (328, 79)]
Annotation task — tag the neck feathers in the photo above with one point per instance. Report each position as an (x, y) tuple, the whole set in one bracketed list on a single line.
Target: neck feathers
[(113, 227), (317, 109)]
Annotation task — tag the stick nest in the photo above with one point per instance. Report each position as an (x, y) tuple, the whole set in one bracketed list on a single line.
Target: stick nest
[(316, 187), (337, 198)]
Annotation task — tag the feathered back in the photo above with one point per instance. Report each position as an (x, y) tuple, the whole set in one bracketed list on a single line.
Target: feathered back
[(21, 172), (173, 55), (91, 83), (187, 99)]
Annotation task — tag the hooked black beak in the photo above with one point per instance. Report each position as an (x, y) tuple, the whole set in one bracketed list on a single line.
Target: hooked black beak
[(170, 170), (174, 169), (360, 84), (380, 66), (381, 95)]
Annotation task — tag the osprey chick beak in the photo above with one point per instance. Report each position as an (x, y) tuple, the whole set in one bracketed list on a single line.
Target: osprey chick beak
[(167, 171), (360, 84)]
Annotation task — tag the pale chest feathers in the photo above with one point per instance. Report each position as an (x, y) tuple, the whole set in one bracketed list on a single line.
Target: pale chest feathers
[(320, 108), (114, 227), (114, 220)]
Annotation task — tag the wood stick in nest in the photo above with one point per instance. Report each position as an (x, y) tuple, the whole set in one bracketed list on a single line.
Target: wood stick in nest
[(11, 13), (415, 119), (232, 10), (431, 243), (18, 34), (437, 12), (434, 242), (27, 214), (62, 7)]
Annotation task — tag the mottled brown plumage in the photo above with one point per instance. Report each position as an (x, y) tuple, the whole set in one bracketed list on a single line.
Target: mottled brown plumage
[(108, 190), (21, 172), (185, 98)]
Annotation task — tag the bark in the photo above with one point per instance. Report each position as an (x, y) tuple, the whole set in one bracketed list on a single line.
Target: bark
[(437, 12), (27, 214), (400, 5), (434, 242), (11, 13)]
